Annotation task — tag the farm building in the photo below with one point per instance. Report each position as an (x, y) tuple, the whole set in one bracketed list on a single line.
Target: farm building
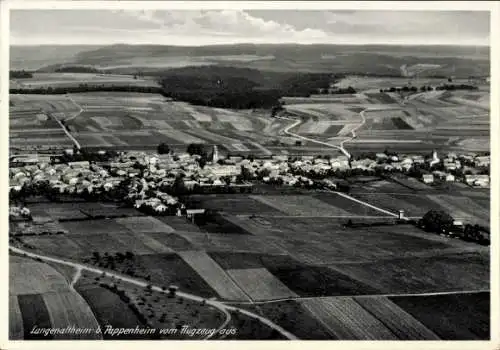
[(79, 165), (418, 159), (439, 174), (381, 156), (428, 178), (482, 161), (222, 170), (477, 180)]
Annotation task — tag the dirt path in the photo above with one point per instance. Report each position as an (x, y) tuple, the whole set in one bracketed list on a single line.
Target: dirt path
[(390, 295)]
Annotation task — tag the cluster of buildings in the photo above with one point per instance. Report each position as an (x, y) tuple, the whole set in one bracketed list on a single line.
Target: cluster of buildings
[(465, 167), (152, 177), (147, 174)]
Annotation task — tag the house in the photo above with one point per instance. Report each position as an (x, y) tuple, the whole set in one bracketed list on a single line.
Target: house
[(418, 159), (282, 158), (439, 174), (477, 180), (79, 165), (121, 165), (450, 166), (450, 178), (428, 178), (482, 161)]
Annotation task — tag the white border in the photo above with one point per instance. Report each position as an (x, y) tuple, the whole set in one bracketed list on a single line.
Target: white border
[(492, 6)]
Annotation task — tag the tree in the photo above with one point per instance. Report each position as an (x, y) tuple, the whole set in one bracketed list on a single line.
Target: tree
[(179, 187), (163, 148), (196, 148), (202, 162), (437, 221)]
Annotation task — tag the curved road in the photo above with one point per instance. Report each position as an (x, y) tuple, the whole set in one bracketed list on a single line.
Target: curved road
[(341, 146), (297, 122), (217, 304), (76, 104)]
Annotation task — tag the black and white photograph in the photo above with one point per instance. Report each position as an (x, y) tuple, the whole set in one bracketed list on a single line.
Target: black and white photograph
[(269, 173)]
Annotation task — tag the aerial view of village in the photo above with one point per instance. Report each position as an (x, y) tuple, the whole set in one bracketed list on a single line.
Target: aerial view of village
[(249, 175)]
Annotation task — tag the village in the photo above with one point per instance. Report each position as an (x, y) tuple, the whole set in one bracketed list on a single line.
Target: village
[(153, 181)]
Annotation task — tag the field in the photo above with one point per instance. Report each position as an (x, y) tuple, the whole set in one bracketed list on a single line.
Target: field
[(439, 317), (32, 126), (143, 121), (301, 205), (418, 123), (425, 121), (293, 245), (260, 284), (136, 121), (397, 320), (404, 275), (294, 318), (213, 274), (347, 319), (461, 207), (457, 317), (140, 307), (60, 80), (109, 309), (40, 296)]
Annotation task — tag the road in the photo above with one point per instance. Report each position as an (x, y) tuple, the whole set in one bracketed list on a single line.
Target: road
[(297, 122), (76, 277), (217, 304), (76, 104), (366, 204), (341, 146), (390, 295), (77, 144)]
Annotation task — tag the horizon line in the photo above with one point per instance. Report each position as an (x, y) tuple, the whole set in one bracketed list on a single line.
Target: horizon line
[(249, 43)]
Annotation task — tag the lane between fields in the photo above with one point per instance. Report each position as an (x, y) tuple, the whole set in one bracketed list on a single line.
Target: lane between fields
[(77, 144), (390, 295), (217, 304), (76, 104), (76, 277)]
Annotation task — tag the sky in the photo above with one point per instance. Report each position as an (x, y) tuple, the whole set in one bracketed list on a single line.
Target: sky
[(208, 27)]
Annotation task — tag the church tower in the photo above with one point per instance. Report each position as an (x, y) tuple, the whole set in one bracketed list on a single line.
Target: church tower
[(215, 155)]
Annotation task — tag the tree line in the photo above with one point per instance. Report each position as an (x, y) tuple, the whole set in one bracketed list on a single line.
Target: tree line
[(20, 74), (88, 88)]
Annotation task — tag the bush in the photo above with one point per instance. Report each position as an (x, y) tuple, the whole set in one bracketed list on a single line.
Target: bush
[(163, 148), (437, 221)]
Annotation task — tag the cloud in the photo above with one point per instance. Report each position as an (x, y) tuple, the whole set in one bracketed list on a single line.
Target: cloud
[(226, 23), (188, 27)]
